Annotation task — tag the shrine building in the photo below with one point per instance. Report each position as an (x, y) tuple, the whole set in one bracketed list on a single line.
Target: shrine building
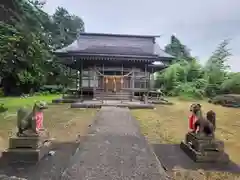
[(114, 65)]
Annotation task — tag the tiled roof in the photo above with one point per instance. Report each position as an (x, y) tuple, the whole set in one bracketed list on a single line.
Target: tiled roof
[(115, 44)]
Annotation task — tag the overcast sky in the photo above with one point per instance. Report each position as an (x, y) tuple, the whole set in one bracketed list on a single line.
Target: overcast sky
[(199, 24)]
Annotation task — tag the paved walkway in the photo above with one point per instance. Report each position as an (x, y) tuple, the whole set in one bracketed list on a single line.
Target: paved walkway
[(114, 150)]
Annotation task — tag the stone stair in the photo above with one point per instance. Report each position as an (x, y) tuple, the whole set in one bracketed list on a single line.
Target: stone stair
[(100, 95)]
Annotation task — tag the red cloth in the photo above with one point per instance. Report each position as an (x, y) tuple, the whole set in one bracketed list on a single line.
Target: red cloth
[(192, 119), (39, 120)]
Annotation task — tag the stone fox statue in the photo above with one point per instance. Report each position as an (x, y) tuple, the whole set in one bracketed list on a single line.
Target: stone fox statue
[(26, 119), (203, 125), (206, 125), (195, 110), (211, 116)]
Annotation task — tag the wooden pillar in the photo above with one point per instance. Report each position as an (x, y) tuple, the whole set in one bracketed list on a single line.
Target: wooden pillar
[(70, 75), (89, 79), (122, 79), (103, 76), (133, 82), (103, 80), (146, 85), (145, 74), (81, 75), (149, 81), (78, 82), (152, 80), (94, 80)]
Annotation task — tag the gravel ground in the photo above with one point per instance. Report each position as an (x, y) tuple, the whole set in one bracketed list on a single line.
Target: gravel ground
[(115, 149)]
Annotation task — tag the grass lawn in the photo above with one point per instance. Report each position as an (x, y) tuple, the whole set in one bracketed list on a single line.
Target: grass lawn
[(13, 103), (169, 124), (63, 123)]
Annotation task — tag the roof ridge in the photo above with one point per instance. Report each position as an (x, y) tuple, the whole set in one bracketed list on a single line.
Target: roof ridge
[(119, 35)]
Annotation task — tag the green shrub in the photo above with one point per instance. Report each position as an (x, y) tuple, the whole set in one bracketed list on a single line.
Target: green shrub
[(1, 92), (188, 90), (3, 108), (232, 84), (212, 90), (38, 93), (51, 89), (46, 93)]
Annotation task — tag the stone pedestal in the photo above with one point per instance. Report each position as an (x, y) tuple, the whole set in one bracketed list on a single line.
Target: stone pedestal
[(145, 99), (28, 149), (204, 149)]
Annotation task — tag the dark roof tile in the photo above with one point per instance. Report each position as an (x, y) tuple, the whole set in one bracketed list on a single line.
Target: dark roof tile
[(115, 44)]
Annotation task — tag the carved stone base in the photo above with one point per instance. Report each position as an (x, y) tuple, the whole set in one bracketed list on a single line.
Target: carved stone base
[(26, 155), (31, 133), (203, 143), (27, 142), (204, 157)]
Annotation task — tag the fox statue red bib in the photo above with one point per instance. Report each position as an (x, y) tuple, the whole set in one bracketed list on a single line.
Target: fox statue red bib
[(39, 120), (191, 120)]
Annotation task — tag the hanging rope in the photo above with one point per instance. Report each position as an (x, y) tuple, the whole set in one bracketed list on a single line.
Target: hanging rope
[(125, 75)]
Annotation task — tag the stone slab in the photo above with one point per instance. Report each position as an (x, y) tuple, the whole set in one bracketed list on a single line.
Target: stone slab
[(86, 105), (160, 102), (123, 105), (63, 100), (140, 106), (206, 157), (26, 155)]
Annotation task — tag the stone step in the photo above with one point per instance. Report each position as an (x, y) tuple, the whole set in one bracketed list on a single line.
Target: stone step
[(112, 98), (26, 155), (110, 93)]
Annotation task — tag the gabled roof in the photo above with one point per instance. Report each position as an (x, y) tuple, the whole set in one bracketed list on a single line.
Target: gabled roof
[(115, 44)]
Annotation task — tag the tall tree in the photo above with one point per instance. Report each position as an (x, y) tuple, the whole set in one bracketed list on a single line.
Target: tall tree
[(219, 58), (22, 48), (177, 49), (66, 28), (216, 67), (26, 40)]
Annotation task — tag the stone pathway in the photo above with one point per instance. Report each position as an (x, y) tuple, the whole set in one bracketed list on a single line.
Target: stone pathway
[(115, 149)]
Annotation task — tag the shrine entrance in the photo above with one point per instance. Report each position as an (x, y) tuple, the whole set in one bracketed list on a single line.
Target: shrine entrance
[(113, 83)]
